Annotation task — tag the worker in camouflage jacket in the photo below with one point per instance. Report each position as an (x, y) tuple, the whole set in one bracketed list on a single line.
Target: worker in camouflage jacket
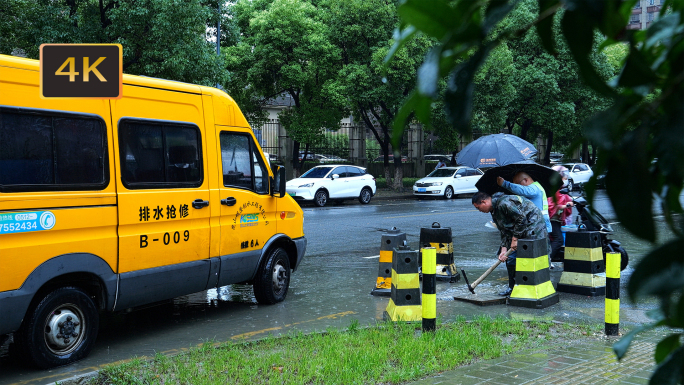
[(516, 218)]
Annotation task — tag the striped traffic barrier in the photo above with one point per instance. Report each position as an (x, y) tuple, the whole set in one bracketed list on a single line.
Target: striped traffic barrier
[(583, 264), (390, 240), (440, 238), (404, 303), (429, 256), (613, 293), (533, 287)]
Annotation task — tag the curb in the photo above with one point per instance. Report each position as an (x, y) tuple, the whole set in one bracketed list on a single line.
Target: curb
[(383, 198), (80, 379)]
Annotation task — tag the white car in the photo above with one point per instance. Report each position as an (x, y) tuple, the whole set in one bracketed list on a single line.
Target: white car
[(332, 182), (329, 158), (447, 181), (578, 174)]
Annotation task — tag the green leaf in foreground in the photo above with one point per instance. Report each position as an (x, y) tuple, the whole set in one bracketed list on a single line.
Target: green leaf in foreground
[(666, 346), (670, 371)]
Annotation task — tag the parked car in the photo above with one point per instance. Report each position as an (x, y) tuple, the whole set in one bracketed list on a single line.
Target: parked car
[(381, 158), (436, 157), (555, 157), (310, 156), (332, 182), (601, 180), (579, 173), (323, 158), (448, 181)]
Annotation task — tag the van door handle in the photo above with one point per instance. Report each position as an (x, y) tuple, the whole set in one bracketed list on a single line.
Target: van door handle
[(199, 203), (230, 201)]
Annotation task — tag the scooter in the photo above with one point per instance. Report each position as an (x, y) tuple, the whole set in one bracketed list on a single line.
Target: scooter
[(589, 219)]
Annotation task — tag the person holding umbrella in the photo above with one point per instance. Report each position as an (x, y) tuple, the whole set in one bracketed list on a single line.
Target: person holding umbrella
[(560, 206), (524, 185), (515, 217)]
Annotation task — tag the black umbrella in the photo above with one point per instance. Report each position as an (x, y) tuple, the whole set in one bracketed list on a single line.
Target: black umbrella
[(495, 150), (547, 177)]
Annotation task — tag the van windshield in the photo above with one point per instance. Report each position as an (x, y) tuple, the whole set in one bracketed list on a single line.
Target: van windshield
[(317, 172)]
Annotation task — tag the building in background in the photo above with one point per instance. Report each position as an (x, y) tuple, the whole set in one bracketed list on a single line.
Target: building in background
[(643, 13)]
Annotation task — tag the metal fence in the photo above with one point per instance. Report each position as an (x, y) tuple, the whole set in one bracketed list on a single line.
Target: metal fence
[(267, 136), (337, 143), (330, 143)]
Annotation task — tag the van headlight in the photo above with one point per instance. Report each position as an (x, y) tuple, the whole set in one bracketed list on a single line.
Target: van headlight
[(306, 185)]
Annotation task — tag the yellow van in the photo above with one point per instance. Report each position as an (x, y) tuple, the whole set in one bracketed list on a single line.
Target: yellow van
[(106, 205)]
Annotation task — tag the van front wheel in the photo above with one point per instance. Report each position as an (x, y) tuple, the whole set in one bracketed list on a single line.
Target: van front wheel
[(273, 278), (61, 328)]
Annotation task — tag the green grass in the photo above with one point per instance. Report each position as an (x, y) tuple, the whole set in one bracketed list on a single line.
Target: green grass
[(407, 182), (385, 353)]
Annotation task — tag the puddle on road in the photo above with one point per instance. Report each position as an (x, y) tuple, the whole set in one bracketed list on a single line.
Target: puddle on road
[(330, 289)]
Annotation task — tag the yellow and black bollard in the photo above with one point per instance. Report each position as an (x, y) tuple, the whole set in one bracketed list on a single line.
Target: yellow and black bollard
[(390, 240), (583, 264), (440, 238), (404, 304), (533, 287), (613, 293), (429, 256)]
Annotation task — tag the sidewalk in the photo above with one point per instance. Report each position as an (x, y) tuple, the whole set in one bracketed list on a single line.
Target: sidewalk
[(386, 194), (585, 362)]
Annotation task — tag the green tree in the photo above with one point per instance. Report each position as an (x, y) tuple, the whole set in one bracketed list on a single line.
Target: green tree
[(362, 30), (284, 49), (641, 134), (539, 93), (160, 38)]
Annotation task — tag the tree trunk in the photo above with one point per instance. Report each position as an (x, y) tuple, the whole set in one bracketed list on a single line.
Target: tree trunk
[(525, 128), (296, 165), (509, 125), (549, 143), (592, 161), (585, 152), (385, 150), (397, 184)]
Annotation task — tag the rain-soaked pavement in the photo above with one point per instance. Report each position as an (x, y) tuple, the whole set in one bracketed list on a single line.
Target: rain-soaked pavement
[(331, 288)]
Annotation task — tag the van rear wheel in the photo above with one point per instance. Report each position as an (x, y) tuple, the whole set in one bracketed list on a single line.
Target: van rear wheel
[(273, 278), (60, 329)]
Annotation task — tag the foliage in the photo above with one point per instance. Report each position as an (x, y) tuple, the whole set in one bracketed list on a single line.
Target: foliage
[(361, 31), (381, 183), (372, 149), (284, 50), (160, 38), (523, 87), (641, 135)]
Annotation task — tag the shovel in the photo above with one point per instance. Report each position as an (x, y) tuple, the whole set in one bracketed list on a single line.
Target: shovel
[(483, 276)]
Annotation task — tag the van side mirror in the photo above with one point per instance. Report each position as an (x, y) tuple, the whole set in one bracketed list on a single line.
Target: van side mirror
[(334, 176), (278, 182)]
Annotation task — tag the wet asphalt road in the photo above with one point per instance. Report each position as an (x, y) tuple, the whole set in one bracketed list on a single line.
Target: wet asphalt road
[(331, 288)]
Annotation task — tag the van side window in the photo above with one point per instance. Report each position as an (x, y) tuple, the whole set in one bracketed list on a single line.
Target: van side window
[(159, 155), (51, 151), (238, 171), (260, 172)]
